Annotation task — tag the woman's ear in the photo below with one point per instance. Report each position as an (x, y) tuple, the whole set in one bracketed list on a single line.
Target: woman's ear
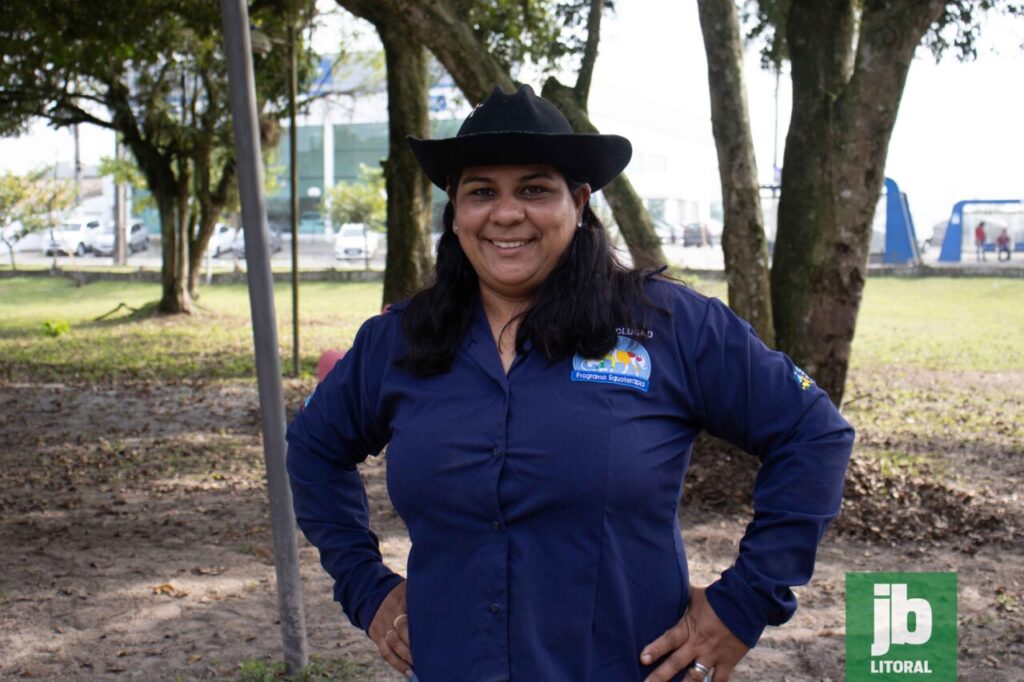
[(580, 198)]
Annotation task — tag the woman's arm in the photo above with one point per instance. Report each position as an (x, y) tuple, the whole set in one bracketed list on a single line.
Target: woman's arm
[(757, 399), (338, 428)]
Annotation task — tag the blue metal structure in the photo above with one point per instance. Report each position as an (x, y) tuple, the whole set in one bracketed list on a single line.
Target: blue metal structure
[(952, 243), (900, 237)]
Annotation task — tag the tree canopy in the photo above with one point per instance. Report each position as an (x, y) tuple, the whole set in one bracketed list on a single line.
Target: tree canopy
[(154, 72)]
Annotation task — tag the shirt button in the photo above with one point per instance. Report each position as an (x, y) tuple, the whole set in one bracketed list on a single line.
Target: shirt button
[(496, 524), (497, 452), (495, 608)]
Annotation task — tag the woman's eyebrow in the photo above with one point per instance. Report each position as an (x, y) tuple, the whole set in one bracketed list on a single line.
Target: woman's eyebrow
[(539, 175), (475, 178)]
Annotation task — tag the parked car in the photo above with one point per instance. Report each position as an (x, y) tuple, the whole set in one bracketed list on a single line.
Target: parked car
[(138, 240), (355, 241), (221, 240), (276, 241), (697, 234), (71, 238)]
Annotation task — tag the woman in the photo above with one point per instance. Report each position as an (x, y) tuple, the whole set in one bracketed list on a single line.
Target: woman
[(538, 404)]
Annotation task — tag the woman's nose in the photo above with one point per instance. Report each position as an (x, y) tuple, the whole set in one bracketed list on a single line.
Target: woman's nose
[(507, 211)]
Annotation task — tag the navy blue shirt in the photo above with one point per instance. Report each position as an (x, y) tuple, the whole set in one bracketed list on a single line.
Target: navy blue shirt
[(542, 504)]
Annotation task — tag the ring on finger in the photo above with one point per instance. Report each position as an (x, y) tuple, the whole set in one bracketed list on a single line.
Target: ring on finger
[(702, 669), (398, 619)]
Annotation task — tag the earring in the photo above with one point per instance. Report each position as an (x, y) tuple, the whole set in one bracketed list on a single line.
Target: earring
[(455, 228), (579, 225)]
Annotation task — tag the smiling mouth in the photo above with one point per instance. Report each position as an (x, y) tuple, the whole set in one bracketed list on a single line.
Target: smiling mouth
[(509, 244)]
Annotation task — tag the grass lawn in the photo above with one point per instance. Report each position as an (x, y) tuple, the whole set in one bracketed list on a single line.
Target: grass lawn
[(216, 342), (930, 323)]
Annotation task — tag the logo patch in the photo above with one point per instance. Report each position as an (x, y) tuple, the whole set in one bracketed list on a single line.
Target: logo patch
[(801, 379), (628, 364), (901, 626)]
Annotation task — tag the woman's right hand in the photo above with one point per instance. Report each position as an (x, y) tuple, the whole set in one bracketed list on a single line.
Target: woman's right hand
[(390, 631)]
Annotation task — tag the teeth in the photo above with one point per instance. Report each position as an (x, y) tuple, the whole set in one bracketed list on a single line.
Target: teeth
[(508, 245)]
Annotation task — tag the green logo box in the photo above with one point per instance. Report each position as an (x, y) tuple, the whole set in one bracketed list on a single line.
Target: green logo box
[(901, 626)]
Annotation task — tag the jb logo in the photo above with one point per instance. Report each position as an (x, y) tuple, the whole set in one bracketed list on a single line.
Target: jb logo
[(901, 626), (892, 618)]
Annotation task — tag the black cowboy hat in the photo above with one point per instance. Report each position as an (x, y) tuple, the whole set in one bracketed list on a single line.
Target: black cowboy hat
[(523, 128)]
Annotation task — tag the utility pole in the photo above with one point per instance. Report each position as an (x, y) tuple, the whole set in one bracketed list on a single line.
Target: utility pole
[(242, 89), (120, 211), (78, 164), (293, 139)]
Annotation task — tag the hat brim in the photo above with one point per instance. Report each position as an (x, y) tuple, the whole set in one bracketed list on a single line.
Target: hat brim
[(594, 159)]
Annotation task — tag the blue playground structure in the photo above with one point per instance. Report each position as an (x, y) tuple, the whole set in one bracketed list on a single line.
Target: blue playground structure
[(952, 243), (900, 238)]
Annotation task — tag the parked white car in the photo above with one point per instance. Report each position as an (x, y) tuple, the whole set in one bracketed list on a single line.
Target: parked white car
[(71, 238), (356, 241), (138, 239), (222, 239)]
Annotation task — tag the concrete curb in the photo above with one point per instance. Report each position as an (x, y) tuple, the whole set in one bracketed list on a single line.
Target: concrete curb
[(84, 276)]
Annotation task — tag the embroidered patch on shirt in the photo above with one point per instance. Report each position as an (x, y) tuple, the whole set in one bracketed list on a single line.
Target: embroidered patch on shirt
[(628, 364), (801, 378)]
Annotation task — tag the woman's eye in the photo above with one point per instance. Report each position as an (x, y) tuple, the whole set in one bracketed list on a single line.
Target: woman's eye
[(481, 192), (534, 190)]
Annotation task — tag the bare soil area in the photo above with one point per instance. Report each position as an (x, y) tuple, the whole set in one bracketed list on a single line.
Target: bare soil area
[(136, 543)]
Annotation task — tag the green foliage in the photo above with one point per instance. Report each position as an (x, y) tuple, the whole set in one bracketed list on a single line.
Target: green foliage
[(958, 28), (30, 199), (126, 171), (56, 328), (156, 73), (363, 201), (765, 21), (545, 32)]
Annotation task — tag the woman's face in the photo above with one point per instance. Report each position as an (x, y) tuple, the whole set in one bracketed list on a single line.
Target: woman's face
[(514, 224)]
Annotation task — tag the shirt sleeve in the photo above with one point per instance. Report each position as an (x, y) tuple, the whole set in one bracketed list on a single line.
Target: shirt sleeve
[(338, 428), (758, 400)]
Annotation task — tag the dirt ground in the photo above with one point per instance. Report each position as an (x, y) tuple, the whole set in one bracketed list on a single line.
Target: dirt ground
[(136, 544)]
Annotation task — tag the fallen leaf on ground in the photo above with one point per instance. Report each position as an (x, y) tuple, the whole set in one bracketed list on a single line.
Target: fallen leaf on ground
[(169, 590)]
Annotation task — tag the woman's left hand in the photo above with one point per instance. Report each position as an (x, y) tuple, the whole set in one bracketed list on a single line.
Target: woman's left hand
[(698, 637)]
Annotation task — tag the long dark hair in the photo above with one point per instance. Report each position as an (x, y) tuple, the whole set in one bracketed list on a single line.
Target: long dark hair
[(578, 308)]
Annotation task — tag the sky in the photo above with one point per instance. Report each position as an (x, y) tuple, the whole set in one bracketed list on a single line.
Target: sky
[(958, 134)]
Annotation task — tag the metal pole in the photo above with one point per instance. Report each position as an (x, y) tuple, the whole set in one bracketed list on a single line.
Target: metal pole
[(235, 15), (120, 212), (78, 164), (293, 78)]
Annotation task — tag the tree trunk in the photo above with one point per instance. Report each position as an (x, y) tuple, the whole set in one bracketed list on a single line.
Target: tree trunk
[(743, 240), (844, 111), (10, 249), (409, 258), (169, 193), (632, 218), (211, 200), (174, 298)]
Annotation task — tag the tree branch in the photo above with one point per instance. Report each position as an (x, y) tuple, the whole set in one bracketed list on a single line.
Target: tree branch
[(586, 73)]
